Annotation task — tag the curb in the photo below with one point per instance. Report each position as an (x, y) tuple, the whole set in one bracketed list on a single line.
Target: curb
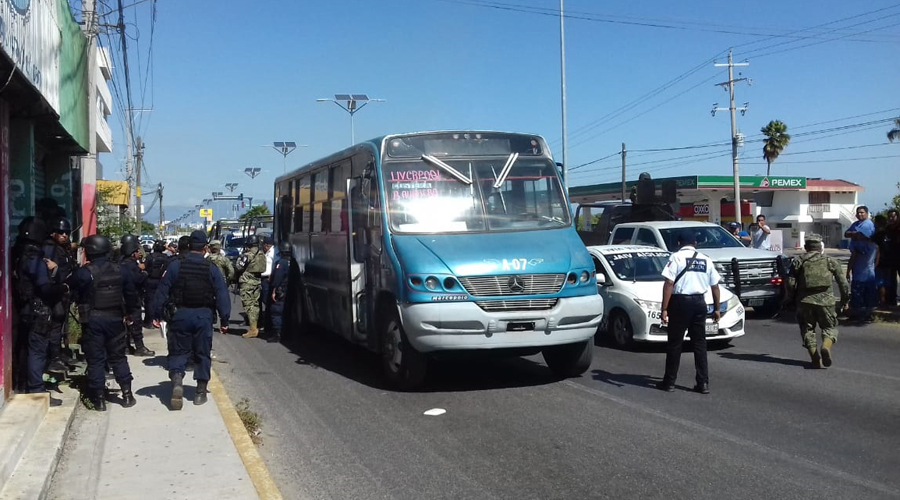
[(253, 462)]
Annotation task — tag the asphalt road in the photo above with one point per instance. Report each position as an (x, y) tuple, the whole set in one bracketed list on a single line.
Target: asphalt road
[(770, 429)]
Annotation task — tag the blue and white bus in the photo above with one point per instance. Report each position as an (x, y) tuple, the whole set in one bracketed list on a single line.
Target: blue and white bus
[(426, 243)]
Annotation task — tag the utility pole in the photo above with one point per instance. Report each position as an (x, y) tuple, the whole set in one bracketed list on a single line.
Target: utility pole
[(139, 156), (159, 192), (729, 85), (623, 172), (562, 85)]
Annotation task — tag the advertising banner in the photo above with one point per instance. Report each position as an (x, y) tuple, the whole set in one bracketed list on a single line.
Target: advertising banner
[(30, 37)]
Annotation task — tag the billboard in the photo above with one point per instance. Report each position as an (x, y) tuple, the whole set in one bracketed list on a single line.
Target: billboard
[(30, 37)]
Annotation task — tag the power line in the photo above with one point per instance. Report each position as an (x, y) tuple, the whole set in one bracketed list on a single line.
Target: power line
[(831, 161)]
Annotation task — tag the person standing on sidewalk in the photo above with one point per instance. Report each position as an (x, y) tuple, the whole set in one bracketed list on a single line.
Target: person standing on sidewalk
[(131, 255), (105, 294), (689, 275), (156, 266), (58, 249), (251, 283), (760, 237), (279, 290), (189, 291), (861, 268), (810, 290)]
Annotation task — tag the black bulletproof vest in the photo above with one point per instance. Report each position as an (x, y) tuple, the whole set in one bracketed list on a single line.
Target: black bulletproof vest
[(107, 287), (25, 289), (63, 259), (193, 286), (156, 266)]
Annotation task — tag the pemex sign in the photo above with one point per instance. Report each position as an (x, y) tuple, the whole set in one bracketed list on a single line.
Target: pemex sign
[(758, 182)]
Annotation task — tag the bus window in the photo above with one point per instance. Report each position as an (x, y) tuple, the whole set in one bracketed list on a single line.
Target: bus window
[(284, 217), (304, 194), (298, 220)]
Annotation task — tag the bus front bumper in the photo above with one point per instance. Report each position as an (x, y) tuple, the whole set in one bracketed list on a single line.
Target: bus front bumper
[(465, 325)]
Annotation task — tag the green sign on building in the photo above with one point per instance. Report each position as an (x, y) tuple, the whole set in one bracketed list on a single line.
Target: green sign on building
[(758, 182)]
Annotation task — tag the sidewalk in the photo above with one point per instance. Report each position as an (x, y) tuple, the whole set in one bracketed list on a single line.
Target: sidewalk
[(148, 451)]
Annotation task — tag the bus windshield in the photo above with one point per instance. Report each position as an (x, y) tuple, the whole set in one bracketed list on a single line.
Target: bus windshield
[(424, 197)]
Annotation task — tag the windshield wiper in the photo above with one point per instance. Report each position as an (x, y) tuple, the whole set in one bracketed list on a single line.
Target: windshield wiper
[(506, 168), (447, 168)]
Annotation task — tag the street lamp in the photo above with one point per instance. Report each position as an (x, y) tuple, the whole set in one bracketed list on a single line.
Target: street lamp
[(285, 148), (253, 172), (231, 186), (351, 107)]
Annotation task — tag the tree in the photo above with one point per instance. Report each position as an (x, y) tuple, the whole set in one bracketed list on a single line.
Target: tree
[(255, 212), (895, 132), (777, 139), (113, 220)]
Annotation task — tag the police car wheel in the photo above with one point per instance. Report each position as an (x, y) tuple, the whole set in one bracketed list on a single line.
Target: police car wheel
[(403, 366), (569, 360), (620, 330)]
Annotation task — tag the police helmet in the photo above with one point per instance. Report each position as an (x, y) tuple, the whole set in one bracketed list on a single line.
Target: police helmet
[(61, 226), (159, 246), (96, 245), (734, 225), (129, 244), (284, 248), (251, 241), (33, 229)]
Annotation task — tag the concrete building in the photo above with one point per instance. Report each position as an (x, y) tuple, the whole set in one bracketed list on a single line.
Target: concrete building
[(793, 206)]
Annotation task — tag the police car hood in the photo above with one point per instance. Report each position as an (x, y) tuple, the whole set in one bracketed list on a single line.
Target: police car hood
[(739, 253), (531, 252)]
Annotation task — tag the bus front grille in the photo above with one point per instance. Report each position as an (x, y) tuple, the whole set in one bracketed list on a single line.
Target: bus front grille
[(517, 305), (514, 284)]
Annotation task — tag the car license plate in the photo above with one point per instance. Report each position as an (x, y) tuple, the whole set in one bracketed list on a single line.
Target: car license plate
[(755, 302), (712, 328), (520, 327)]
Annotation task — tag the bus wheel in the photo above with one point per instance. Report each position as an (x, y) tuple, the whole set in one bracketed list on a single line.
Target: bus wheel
[(403, 366), (569, 360)]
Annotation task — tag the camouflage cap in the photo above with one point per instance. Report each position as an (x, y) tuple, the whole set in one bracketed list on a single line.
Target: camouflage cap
[(813, 238), (215, 244)]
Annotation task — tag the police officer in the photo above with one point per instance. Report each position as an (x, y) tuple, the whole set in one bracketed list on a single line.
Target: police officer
[(689, 275), (279, 290), (58, 249), (188, 293), (155, 267), (810, 289), (184, 247), (105, 294), (131, 253), (35, 291), (251, 283)]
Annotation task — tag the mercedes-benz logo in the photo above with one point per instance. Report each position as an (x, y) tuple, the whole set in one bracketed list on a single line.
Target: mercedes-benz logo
[(516, 284)]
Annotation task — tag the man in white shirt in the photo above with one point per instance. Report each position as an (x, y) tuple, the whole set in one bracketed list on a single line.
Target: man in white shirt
[(689, 275), (268, 247), (761, 235)]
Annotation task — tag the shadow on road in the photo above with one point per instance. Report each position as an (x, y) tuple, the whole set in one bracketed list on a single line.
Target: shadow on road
[(763, 358), (329, 352), (623, 379)]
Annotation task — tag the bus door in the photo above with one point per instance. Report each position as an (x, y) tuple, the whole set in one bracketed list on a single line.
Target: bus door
[(359, 254)]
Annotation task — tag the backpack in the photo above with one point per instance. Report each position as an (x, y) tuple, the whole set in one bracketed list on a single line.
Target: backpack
[(157, 266)]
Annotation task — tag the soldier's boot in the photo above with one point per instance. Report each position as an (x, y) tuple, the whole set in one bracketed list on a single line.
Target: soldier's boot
[(177, 391), (200, 395), (826, 351), (96, 400), (814, 357), (127, 396), (253, 332), (141, 350), (274, 337)]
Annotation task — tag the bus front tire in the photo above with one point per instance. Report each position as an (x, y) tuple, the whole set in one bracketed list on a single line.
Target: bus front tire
[(569, 360), (403, 366)]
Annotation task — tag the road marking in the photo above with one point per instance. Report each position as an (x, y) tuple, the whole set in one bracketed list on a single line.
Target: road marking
[(804, 462)]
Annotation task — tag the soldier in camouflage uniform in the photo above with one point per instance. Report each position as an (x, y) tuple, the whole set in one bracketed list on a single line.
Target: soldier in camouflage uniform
[(251, 283), (810, 288), (221, 261)]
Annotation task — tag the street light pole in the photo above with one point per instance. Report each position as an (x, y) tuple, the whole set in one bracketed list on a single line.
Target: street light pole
[(562, 70), (285, 148), (352, 107), (253, 172)]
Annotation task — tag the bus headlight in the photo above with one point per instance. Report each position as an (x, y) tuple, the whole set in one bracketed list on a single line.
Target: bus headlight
[(585, 276), (432, 283)]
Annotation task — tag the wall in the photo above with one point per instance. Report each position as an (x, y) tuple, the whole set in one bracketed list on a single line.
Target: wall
[(21, 175), (5, 283), (73, 77)]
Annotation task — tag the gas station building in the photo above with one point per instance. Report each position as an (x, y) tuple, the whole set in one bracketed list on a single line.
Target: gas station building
[(794, 206)]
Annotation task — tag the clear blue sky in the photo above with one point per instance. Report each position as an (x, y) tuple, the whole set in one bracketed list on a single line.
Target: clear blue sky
[(230, 77)]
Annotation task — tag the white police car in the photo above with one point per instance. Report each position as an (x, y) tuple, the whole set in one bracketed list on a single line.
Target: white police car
[(630, 281)]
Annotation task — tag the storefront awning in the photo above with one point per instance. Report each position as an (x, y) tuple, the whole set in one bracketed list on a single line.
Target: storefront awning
[(792, 218)]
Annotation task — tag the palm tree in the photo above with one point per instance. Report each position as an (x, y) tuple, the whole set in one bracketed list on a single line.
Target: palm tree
[(777, 139), (895, 132)]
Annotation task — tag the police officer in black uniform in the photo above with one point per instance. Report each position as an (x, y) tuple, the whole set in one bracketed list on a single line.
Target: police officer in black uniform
[(688, 276), (189, 291), (105, 294), (131, 254), (35, 291), (184, 247), (279, 284), (155, 267), (58, 249)]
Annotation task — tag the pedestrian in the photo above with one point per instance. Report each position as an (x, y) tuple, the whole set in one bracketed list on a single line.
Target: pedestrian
[(106, 298), (250, 280), (689, 275), (58, 249), (861, 268), (35, 291), (265, 290), (221, 261), (735, 229), (891, 257), (882, 267), (188, 296), (760, 237), (130, 261), (279, 290), (156, 266)]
